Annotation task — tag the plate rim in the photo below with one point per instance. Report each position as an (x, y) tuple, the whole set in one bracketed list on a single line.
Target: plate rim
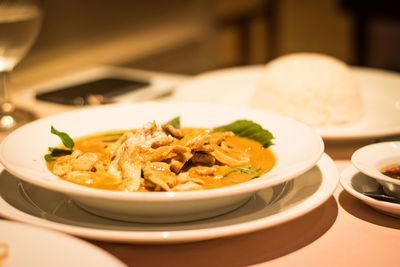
[(321, 195)]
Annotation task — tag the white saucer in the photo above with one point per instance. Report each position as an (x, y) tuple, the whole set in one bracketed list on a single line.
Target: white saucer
[(273, 206), (33, 246), (236, 86), (356, 183)]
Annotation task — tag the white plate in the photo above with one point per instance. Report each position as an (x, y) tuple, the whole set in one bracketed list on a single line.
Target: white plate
[(272, 206), (236, 86), (33, 246), (356, 183), (294, 155)]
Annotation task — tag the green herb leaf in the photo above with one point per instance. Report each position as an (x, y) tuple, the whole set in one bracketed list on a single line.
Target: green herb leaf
[(248, 129), (65, 138), (243, 169), (113, 134), (257, 175), (175, 122), (56, 152), (48, 158), (110, 140)]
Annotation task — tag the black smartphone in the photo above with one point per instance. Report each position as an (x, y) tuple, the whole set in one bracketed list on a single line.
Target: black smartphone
[(78, 94)]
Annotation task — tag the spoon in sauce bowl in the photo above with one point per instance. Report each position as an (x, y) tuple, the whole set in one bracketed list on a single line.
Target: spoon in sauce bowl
[(380, 195)]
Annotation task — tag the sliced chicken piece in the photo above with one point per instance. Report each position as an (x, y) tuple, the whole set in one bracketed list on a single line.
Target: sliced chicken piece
[(169, 129), (150, 186), (159, 174), (158, 139), (218, 137), (176, 164), (129, 141), (205, 148), (205, 159), (61, 168), (160, 154), (148, 128), (166, 152), (63, 165), (131, 173), (84, 162), (188, 186), (199, 142), (205, 171), (113, 168), (184, 177), (141, 141), (113, 147), (179, 161), (133, 142), (150, 135), (229, 160), (225, 146), (178, 149), (102, 164)]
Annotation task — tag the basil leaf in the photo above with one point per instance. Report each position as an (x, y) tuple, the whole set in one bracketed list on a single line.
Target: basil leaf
[(257, 175), (113, 134), (48, 158), (65, 138), (110, 140), (175, 122), (248, 129), (56, 152), (243, 169)]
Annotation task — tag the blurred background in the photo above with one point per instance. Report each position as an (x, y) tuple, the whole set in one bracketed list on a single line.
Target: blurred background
[(193, 36)]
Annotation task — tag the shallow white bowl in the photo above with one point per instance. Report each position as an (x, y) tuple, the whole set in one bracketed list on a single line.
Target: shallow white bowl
[(297, 148), (371, 159)]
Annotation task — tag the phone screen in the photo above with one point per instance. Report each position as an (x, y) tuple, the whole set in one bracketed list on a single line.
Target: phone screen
[(78, 94)]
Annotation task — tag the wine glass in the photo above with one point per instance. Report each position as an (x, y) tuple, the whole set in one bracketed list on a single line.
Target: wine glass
[(20, 22)]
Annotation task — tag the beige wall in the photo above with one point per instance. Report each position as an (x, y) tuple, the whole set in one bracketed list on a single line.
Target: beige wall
[(80, 34), (178, 35), (314, 25)]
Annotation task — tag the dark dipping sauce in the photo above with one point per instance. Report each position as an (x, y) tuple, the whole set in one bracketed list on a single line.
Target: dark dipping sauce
[(392, 171)]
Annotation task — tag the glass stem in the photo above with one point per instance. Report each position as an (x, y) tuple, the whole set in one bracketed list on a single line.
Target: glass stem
[(3, 89)]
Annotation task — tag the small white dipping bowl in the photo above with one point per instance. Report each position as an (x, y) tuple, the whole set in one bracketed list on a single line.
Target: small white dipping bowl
[(371, 159), (297, 148)]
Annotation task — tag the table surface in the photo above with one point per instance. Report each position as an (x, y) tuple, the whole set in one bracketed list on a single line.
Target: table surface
[(343, 231)]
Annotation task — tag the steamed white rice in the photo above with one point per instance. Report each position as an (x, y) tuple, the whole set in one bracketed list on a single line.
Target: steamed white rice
[(316, 89)]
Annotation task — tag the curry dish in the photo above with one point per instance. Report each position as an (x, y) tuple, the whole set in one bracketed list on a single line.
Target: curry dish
[(163, 158)]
